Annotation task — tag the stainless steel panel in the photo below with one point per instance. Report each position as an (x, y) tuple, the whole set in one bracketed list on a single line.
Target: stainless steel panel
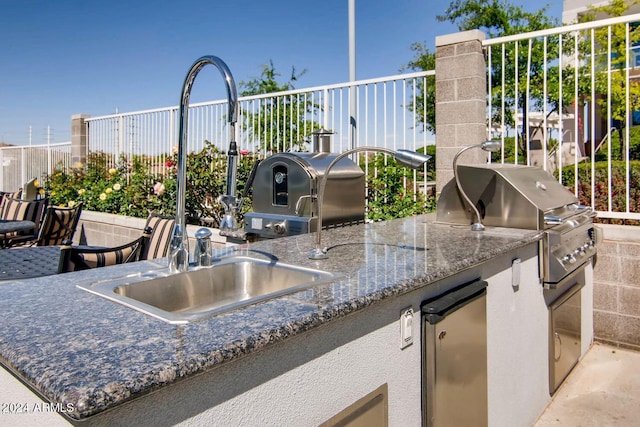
[(565, 320), (285, 187), (230, 283), (455, 368), (506, 195), (370, 411)]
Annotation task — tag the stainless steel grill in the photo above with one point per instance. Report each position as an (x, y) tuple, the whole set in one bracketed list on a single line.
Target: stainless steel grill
[(285, 188), (525, 197)]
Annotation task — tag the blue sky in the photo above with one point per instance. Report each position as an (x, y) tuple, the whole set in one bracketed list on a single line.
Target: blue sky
[(60, 58)]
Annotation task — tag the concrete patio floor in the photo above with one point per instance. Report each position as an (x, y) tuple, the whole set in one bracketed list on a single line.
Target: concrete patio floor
[(603, 390)]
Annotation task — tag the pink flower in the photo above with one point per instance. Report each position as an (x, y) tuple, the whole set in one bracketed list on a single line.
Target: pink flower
[(244, 152), (158, 188)]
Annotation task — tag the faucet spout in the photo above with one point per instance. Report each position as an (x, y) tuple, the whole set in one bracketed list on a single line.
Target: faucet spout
[(406, 158), (179, 246)]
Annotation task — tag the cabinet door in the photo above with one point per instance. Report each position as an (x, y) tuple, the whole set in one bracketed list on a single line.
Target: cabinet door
[(458, 393), (565, 344)]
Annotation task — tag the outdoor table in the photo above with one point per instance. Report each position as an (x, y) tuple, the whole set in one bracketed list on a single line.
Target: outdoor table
[(25, 263), (12, 225)]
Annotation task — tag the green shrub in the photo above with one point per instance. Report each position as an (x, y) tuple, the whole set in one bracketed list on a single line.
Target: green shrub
[(618, 191), (131, 189), (390, 191), (634, 146)]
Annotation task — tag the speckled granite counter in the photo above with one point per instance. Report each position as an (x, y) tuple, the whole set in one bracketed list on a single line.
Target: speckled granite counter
[(73, 347)]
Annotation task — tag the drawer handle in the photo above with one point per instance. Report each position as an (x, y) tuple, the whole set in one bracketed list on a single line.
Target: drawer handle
[(557, 336)]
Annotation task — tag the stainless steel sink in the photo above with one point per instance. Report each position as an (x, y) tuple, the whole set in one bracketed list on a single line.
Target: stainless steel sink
[(233, 282)]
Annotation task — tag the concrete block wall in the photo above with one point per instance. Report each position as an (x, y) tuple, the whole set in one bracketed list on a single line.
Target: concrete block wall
[(461, 91), (617, 287), (100, 229)]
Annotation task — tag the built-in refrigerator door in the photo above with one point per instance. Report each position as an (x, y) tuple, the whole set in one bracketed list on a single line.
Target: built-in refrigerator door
[(455, 358), (565, 337)]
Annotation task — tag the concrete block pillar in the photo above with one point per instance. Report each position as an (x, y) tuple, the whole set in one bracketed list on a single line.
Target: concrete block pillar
[(461, 91), (79, 134)]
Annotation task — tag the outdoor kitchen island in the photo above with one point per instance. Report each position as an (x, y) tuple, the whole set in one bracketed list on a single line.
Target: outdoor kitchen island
[(299, 359)]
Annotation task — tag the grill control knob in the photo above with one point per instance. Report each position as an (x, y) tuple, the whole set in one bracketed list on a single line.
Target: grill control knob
[(280, 227), (571, 259)]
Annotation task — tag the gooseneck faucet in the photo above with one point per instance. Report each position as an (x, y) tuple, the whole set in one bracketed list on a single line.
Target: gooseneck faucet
[(490, 146), (407, 158), (179, 246)]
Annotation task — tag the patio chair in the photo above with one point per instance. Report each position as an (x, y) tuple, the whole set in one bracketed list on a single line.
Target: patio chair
[(159, 228), (11, 195), (154, 243), (77, 258), (59, 224), (21, 210)]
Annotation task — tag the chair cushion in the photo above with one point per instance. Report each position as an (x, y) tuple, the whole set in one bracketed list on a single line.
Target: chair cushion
[(17, 209), (158, 244), (59, 224), (76, 258), (103, 259), (22, 210)]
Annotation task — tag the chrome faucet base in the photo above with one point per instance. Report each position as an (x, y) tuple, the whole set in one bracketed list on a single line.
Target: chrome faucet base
[(318, 253), (179, 260), (203, 254), (477, 227)]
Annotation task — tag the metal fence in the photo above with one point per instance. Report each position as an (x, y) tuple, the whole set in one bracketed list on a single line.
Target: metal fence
[(23, 163), (566, 99), (374, 112), (572, 97)]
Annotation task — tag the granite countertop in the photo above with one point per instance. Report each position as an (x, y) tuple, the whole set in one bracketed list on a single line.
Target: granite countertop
[(73, 347)]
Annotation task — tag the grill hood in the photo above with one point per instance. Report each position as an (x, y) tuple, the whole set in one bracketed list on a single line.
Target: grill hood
[(506, 195)]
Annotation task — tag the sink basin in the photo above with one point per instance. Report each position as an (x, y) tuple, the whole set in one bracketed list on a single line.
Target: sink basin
[(233, 282)]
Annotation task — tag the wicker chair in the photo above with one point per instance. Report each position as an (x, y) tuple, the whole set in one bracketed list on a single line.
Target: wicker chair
[(59, 225), (9, 195), (16, 209), (154, 243), (76, 258), (159, 228)]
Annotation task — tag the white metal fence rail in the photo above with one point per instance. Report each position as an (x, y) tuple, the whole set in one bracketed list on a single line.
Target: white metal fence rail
[(275, 122), (23, 163), (562, 91)]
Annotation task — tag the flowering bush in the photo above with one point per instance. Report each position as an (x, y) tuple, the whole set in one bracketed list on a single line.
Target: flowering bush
[(131, 189)]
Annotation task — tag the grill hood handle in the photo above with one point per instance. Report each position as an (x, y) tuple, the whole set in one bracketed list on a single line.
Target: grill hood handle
[(553, 220)]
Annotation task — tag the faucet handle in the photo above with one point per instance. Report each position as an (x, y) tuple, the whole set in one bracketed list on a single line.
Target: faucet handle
[(203, 251)]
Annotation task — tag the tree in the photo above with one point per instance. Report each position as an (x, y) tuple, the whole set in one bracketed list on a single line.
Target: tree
[(281, 122), (613, 87), (496, 18), (424, 105)]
